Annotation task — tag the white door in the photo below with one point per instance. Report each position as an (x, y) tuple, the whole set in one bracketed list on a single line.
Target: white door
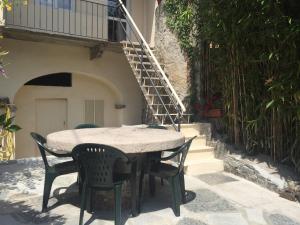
[(51, 115)]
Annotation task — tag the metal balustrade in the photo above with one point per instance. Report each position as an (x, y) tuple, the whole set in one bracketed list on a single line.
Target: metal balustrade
[(76, 18)]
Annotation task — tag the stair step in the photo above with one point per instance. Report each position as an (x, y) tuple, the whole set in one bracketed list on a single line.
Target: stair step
[(201, 148), (159, 104), (149, 71), (148, 78), (146, 63), (190, 132), (137, 49), (165, 114), (199, 155), (133, 43), (205, 165), (136, 56), (161, 95), (148, 86)]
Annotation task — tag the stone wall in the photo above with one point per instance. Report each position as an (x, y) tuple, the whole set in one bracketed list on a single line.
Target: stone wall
[(259, 169), (236, 165), (169, 53)]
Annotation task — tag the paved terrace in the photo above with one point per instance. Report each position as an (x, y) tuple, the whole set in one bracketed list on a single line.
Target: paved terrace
[(215, 199)]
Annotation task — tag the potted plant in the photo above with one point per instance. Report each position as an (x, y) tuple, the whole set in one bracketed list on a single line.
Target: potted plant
[(210, 107), (7, 133)]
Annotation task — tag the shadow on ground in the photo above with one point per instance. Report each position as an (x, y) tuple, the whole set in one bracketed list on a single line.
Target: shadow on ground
[(25, 214)]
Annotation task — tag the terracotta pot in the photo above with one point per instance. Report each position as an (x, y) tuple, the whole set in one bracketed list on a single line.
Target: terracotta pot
[(213, 113)]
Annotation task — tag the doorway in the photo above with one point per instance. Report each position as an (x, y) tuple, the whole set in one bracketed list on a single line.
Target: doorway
[(51, 115)]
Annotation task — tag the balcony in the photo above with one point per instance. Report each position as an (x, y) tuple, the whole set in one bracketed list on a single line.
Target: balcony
[(84, 21)]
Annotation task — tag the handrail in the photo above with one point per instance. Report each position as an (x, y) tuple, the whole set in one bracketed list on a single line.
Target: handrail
[(153, 57)]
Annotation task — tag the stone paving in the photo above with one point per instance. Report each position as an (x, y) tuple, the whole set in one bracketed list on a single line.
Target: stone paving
[(213, 199)]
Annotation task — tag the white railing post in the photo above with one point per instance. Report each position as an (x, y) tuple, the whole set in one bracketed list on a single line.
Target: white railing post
[(154, 58)]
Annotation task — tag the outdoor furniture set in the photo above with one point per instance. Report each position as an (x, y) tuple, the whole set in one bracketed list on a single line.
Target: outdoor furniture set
[(106, 157)]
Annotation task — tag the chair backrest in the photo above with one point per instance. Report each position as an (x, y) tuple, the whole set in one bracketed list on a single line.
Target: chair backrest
[(86, 125), (41, 141), (184, 151), (97, 162)]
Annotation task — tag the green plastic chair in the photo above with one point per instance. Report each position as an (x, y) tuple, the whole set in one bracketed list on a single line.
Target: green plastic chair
[(97, 163), (174, 174), (157, 155), (86, 125), (52, 171)]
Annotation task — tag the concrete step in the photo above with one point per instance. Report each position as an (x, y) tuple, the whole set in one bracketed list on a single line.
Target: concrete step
[(198, 155), (201, 148), (201, 166), (198, 141), (200, 128), (189, 132)]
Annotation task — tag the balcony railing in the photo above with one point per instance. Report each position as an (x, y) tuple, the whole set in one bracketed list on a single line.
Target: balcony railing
[(77, 18)]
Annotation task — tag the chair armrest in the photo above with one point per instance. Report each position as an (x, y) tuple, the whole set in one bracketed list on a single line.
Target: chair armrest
[(177, 151), (56, 154), (170, 156)]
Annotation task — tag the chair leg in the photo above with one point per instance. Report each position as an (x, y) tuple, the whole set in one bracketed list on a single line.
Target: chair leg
[(141, 189), (49, 178), (175, 183), (89, 202), (152, 185), (82, 204), (182, 187), (161, 182), (80, 180), (118, 203)]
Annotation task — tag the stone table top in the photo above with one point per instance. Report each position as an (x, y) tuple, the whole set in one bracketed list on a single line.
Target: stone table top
[(129, 139)]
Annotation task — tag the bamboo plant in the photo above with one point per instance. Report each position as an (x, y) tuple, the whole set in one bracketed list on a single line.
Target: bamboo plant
[(250, 51)]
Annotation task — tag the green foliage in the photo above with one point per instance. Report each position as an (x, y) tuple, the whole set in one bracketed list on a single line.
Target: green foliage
[(180, 20), (6, 124), (251, 50)]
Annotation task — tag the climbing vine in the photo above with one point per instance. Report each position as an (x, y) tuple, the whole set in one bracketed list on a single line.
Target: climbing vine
[(250, 52)]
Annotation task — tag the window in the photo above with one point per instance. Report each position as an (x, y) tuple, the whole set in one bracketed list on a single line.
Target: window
[(94, 112), (60, 4)]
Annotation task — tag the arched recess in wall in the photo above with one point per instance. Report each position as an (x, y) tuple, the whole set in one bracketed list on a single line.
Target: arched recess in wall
[(61, 101)]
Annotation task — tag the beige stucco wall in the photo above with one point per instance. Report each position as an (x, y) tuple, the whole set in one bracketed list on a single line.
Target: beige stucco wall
[(143, 12), (109, 77)]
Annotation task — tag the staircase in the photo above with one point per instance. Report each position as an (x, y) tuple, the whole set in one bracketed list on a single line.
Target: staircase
[(157, 92), (162, 100), (200, 158)]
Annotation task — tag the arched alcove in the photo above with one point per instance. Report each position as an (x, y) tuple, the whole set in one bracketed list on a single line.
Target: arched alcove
[(63, 103)]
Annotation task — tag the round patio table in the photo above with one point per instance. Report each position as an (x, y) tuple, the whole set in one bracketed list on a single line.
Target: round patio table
[(129, 139), (132, 140)]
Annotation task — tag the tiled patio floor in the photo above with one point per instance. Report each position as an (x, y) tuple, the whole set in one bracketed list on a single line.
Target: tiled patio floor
[(215, 199)]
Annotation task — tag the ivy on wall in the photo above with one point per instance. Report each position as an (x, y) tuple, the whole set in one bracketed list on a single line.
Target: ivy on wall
[(251, 52)]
